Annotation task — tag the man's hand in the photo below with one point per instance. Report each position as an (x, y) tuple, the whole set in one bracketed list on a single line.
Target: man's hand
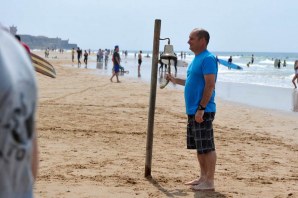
[(199, 116), (171, 78)]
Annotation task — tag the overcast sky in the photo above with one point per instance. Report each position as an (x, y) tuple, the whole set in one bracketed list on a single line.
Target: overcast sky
[(234, 25)]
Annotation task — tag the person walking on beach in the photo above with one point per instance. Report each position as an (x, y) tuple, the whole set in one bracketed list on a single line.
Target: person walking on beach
[(296, 74), (139, 62), (86, 58), (72, 54), (18, 94), (116, 63), (199, 96), (79, 54)]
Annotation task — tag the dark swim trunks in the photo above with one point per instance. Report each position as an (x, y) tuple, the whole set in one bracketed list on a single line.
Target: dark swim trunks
[(200, 135), (116, 68), (140, 61)]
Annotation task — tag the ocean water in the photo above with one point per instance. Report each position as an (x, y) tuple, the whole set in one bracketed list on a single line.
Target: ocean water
[(261, 72), (260, 84)]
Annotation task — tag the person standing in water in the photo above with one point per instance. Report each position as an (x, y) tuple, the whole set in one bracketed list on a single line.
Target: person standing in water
[(296, 74), (139, 62)]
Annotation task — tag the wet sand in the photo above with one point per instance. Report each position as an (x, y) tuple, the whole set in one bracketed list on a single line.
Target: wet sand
[(92, 138)]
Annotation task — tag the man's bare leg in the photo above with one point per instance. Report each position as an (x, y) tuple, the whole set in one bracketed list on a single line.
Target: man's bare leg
[(209, 163), (203, 169)]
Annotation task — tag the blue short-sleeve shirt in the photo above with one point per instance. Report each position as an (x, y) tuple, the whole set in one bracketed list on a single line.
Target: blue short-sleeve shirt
[(203, 64)]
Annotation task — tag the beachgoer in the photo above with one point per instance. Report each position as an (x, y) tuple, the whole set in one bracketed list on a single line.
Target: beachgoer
[(18, 94), (296, 74), (101, 55), (285, 63), (47, 52), (24, 44), (86, 58), (161, 66), (252, 59), (199, 95), (72, 54), (175, 65), (116, 63), (230, 59), (79, 54), (97, 55), (106, 54), (139, 62), (278, 64), (125, 53)]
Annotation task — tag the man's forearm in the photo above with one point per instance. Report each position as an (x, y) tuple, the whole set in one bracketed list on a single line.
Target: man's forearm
[(180, 81), (208, 91)]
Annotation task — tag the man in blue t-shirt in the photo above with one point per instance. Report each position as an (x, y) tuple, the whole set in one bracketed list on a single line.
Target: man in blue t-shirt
[(199, 96)]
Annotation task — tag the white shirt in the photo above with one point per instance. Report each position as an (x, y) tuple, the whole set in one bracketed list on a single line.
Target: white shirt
[(18, 97)]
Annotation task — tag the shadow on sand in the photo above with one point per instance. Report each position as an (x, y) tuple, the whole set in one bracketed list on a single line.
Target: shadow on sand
[(182, 192)]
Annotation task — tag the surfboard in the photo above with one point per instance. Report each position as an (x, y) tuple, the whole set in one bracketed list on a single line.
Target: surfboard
[(42, 66), (230, 65), (180, 63)]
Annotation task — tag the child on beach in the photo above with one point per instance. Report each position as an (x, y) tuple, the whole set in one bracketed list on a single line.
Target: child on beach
[(296, 74)]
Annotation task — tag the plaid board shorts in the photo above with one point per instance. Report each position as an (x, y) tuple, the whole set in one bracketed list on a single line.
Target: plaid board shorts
[(200, 135)]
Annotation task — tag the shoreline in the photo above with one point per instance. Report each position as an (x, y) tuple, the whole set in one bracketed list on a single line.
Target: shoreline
[(262, 96)]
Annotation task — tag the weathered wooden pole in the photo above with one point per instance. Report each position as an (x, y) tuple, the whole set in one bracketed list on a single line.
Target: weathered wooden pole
[(150, 127)]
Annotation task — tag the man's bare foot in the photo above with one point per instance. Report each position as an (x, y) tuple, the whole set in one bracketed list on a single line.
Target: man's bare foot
[(118, 81), (111, 80), (194, 182), (203, 186)]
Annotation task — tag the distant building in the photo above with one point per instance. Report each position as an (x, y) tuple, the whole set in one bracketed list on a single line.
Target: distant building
[(13, 30), (43, 42)]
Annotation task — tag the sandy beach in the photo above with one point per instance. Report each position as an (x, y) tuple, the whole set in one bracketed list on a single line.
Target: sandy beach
[(92, 141)]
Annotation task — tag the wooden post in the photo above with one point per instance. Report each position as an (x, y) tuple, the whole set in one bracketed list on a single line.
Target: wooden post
[(150, 126)]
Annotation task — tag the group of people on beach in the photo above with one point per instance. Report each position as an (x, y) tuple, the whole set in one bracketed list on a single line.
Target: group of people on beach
[(79, 55)]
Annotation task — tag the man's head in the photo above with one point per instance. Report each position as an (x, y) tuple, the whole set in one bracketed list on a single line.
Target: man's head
[(198, 40), (116, 48)]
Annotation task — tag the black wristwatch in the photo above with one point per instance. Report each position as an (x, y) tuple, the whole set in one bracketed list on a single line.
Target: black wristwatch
[(201, 107)]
